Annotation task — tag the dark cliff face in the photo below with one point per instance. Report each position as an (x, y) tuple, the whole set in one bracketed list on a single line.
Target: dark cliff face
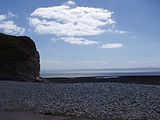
[(19, 58)]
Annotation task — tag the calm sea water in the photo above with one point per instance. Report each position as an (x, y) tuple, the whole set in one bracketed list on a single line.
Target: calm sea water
[(99, 73)]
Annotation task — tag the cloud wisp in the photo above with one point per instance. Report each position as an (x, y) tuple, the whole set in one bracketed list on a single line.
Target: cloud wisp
[(71, 21), (9, 26), (11, 15), (78, 41), (112, 45)]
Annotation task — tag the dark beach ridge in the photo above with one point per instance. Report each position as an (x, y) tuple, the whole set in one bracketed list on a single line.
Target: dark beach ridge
[(117, 79), (152, 80)]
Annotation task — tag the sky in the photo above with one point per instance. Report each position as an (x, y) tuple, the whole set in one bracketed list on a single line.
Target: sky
[(84, 34)]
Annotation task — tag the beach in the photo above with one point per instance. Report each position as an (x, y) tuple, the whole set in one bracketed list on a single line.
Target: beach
[(98, 100), (5, 115)]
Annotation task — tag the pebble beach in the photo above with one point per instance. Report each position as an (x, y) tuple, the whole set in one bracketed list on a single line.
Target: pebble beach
[(108, 101)]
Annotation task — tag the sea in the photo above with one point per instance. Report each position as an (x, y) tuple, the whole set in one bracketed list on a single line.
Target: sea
[(72, 73)]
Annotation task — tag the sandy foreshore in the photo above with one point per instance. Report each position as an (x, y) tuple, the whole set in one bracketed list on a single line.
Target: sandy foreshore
[(99, 100)]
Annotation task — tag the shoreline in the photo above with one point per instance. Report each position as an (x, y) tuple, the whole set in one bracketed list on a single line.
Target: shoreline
[(153, 80), (150, 80)]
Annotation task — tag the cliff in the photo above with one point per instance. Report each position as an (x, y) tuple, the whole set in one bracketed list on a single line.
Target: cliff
[(19, 58)]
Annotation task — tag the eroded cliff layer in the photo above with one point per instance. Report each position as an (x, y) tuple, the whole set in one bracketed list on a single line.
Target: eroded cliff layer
[(19, 58)]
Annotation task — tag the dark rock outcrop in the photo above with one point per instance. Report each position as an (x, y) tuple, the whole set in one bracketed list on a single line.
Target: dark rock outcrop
[(19, 58)]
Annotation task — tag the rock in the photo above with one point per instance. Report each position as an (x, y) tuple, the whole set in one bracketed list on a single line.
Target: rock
[(19, 58)]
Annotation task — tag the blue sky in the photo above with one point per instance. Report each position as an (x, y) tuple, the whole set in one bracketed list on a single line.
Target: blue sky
[(87, 33)]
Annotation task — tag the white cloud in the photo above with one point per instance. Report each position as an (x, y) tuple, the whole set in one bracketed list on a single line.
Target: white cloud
[(66, 20), (2, 17), (78, 41), (9, 26), (54, 39), (121, 32), (117, 31), (11, 15), (70, 3), (112, 45), (71, 23)]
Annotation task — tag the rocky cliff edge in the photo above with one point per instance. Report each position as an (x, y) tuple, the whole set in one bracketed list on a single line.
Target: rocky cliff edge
[(19, 58)]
